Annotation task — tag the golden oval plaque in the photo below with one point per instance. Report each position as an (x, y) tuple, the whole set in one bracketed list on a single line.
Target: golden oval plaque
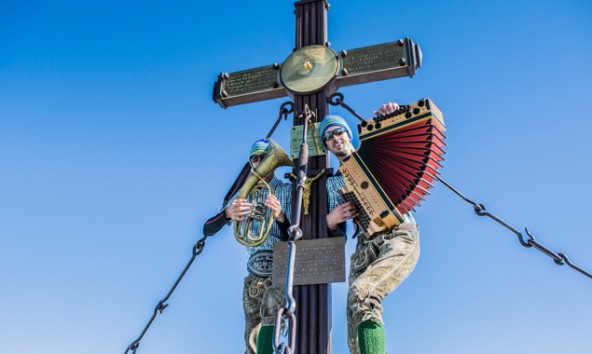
[(309, 69)]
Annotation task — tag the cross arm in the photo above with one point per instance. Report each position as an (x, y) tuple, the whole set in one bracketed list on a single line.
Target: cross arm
[(248, 86), (356, 66)]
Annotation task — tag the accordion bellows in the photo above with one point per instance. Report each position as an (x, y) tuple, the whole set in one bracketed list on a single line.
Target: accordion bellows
[(395, 166)]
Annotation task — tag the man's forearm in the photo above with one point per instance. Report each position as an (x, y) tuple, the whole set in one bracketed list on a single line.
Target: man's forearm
[(214, 224)]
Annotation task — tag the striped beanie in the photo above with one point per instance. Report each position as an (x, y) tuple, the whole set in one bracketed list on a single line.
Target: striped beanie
[(330, 121), (260, 146)]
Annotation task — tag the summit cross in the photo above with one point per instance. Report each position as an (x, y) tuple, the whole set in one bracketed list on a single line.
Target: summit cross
[(311, 74)]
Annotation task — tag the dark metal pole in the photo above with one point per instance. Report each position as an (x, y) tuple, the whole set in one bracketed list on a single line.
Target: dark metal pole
[(313, 302)]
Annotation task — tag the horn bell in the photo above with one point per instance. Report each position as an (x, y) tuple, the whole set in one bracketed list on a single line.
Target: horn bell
[(252, 190)]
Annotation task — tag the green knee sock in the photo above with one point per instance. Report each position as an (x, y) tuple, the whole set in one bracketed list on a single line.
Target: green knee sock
[(265, 340), (371, 338)]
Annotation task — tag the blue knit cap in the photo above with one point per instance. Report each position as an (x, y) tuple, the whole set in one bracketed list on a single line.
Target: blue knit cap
[(330, 121), (260, 146)]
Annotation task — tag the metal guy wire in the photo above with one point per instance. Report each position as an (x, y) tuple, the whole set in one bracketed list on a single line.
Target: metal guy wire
[(288, 312), (285, 109), (337, 99), (558, 258), (197, 249)]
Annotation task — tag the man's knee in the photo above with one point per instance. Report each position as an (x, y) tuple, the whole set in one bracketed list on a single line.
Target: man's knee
[(363, 305)]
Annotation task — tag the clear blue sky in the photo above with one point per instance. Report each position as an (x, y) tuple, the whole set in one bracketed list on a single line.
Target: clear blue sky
[(112, 155)]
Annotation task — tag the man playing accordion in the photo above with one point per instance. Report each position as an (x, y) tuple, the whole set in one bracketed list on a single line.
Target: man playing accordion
[(380, 262)]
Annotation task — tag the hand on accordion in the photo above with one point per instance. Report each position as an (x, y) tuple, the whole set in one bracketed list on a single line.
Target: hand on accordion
[(386, 109), (341, 213)]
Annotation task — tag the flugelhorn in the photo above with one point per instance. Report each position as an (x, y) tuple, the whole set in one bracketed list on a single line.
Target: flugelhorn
[(252, 190)]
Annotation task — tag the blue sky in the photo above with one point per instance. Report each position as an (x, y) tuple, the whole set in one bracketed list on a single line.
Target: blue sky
[(112, 155)]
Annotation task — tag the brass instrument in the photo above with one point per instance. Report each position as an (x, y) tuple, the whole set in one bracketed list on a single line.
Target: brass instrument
[(252, 190)]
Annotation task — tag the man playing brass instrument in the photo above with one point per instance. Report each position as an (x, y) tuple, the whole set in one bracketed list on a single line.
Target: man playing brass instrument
[(380, 263), (260, 300)]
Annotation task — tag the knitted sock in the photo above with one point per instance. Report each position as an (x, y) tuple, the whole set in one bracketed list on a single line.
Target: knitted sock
[(265, 340), (371, 338)]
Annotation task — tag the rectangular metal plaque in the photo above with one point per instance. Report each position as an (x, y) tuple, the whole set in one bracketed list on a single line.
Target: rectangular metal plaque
[(318, 261), (380, 62), (315, 146), (246, 86)]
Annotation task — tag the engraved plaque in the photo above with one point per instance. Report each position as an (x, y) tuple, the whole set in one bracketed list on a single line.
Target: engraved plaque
[(248, 86), (315, 146), (379, 62), (378, 57), (318, 261), (247, 81)]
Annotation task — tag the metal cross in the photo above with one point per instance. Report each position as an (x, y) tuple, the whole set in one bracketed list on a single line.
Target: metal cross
[(399, 58)]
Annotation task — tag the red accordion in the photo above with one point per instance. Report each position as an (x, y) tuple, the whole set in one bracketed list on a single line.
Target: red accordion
[(395, 165)]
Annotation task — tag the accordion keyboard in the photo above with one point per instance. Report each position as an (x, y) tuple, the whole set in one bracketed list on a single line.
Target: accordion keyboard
[(377, 213), (363, 219)]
